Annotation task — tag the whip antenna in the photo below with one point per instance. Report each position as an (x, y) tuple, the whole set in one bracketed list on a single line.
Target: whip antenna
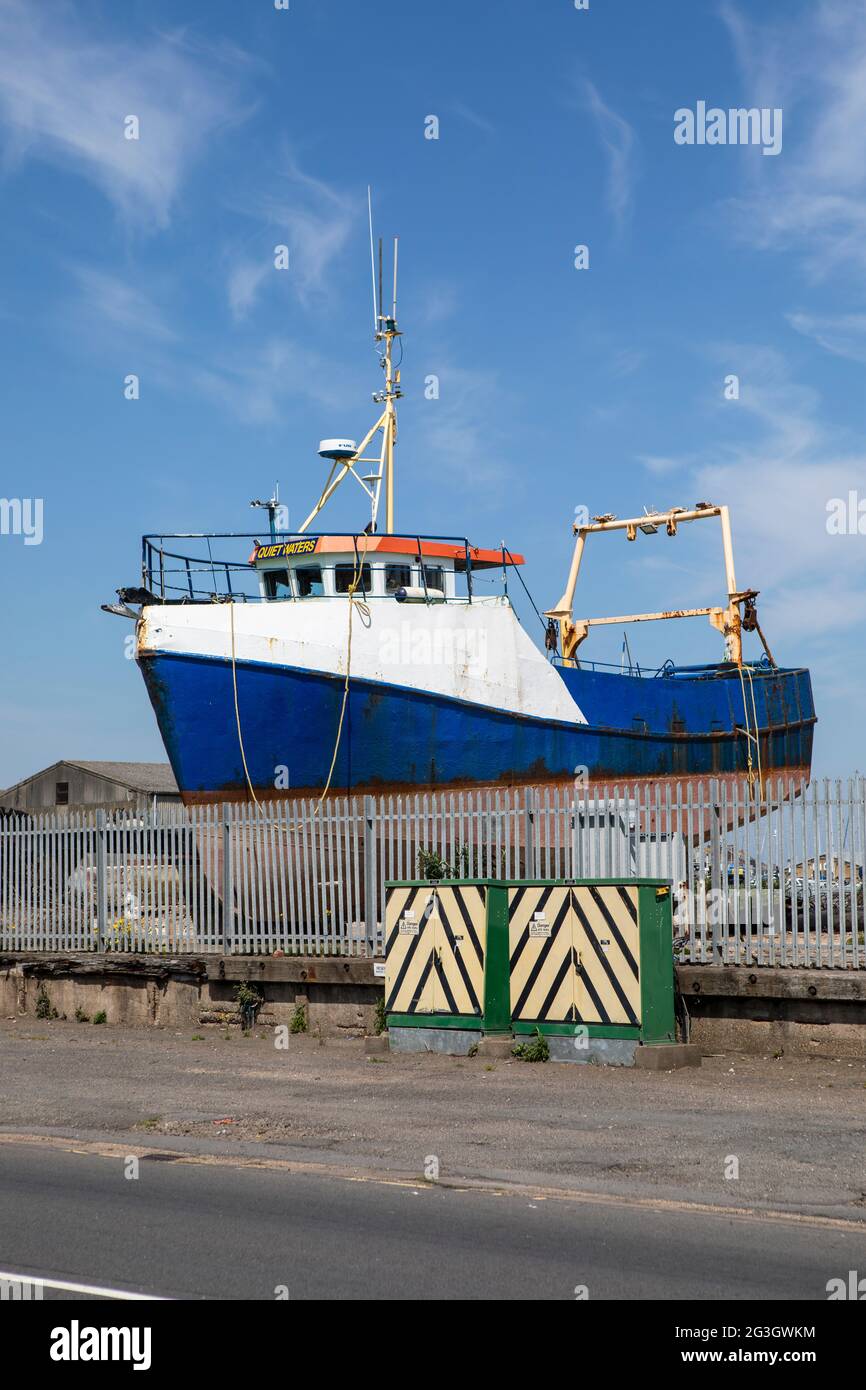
[(394, 310), (372, 261), (380, 281)]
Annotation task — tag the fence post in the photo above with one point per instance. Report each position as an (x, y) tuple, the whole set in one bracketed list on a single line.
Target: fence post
[(101, 909), (530, 831), (228, 883), (578, 831), (370, 875), (716, 869)]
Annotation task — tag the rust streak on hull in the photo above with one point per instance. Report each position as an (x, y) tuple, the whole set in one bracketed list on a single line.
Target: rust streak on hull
[(591, 787)]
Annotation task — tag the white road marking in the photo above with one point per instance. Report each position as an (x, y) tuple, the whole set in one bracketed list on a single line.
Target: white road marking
[(95, 1289)]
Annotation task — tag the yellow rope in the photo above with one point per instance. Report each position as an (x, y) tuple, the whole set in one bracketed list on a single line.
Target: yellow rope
[(757, 732), (750, 737), (364, 611), (749, 771), (231, 603)]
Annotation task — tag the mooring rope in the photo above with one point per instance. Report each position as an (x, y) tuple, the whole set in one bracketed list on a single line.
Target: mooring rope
[(750, 737), (757, 732), (364, 612), (237, 709)]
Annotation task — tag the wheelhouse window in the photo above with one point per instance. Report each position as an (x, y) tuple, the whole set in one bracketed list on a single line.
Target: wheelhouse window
[(344, 578), (277, 584), (435, 577), (397, 577), (309, 580)]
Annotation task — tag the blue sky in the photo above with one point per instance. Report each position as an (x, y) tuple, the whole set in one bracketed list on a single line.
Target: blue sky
[(559, 388)]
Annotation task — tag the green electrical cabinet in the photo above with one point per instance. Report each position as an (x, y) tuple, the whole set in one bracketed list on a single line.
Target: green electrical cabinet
[(586, 963), (446, 956)]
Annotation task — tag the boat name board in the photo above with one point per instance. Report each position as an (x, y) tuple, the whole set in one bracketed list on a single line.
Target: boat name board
[(282, 548)]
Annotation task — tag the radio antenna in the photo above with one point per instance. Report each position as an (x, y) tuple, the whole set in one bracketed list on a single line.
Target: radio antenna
[(379, 324), (372, 262), (394, 310)]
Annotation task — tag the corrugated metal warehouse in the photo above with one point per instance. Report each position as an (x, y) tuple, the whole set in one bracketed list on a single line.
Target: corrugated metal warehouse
[(93, 784)]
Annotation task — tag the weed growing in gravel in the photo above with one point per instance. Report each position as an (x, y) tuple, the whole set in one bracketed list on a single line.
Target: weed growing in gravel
[(249, 1003), (535, 1051), (44, 1007), (298, 1022), (379, 1020)]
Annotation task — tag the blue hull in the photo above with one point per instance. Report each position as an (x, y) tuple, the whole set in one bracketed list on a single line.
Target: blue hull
[(685, 725)]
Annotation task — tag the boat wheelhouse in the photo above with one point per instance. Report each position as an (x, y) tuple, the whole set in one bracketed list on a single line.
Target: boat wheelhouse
[(410, 569)]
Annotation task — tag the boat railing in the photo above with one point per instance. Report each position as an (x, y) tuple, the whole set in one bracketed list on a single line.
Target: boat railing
[(174, 575), (570, 663)]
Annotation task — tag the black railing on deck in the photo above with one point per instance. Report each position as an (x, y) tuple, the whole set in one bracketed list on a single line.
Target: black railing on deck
[(180, 577)]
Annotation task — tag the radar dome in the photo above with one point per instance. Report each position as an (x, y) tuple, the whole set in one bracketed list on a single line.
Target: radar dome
[(337, 448)]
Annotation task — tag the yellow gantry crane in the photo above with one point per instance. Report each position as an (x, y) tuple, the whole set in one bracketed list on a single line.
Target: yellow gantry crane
[(727, 619)]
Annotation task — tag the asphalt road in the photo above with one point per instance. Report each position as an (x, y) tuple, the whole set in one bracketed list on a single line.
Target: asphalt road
[(797, 1125), (193, 1228)]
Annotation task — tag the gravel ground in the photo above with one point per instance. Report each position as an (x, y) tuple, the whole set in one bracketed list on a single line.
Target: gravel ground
[(796, 1126)]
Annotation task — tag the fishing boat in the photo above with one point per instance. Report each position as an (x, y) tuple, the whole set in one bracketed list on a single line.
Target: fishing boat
[(313, 662)]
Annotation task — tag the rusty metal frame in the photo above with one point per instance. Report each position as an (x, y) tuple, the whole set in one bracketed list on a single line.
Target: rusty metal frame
[(726, 619)]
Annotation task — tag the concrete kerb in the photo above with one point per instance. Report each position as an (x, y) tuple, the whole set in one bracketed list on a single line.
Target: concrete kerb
[(750, 1010), (667, 1056)]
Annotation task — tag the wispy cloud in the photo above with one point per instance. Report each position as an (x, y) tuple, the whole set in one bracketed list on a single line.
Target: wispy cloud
[(617, 138), (659, 464), (310, 217), (257, 386), (813, 65), (109, 302), (842, 334), (468, 114), (456, 432), (254, 383), (244, 282), (626, 361), (65, 92), (778, 473), (436, 302)]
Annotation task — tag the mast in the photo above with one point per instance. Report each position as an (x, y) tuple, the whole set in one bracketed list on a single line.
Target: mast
[(344, 454), (388, 331), (272, 507)]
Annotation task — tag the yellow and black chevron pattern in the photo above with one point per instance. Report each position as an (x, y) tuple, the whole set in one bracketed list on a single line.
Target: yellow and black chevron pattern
[(607, 940), (575, 955), (541, 951), (434, 950)]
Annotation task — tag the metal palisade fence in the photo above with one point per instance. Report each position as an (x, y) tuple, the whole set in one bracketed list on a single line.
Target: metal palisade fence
[(771, 879)]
